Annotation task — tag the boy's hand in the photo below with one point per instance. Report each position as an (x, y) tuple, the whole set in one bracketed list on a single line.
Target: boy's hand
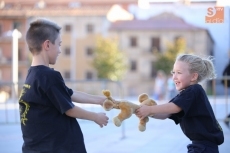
[(143, 111), (101, 119)]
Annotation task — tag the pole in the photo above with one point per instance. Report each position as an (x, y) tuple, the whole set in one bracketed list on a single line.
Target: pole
[(73, 50), (15, 64)]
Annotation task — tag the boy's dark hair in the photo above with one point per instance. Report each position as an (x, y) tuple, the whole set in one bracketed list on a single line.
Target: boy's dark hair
[(39, 31)]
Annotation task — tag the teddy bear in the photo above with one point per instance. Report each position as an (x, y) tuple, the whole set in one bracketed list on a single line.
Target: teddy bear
[(127, 108)]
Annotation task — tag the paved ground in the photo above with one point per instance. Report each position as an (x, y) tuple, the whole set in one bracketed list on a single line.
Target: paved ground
[(161, 136)]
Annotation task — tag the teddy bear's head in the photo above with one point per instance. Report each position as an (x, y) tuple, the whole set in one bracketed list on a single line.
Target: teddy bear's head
[(108, 103), (145, 100)]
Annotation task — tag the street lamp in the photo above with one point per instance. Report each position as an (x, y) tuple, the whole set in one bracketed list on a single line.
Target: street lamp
[(16, 35)]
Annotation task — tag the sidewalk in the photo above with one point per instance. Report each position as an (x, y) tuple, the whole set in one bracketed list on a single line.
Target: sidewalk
[(159, 137)]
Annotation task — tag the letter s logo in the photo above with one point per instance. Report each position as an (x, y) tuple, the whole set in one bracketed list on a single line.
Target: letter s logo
[(210, 11)]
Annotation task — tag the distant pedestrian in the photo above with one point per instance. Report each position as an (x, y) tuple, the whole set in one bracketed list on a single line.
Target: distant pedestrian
[(227, 120), (226, 73), (226, 83), (160, 85), (48, 116), (191, 107), (171, 89)]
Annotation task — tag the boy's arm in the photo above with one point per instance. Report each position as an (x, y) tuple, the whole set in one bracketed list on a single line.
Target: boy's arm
[(81, 97), (77, 112)]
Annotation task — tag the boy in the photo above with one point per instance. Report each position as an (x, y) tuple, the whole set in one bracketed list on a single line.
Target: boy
[(48, 116)]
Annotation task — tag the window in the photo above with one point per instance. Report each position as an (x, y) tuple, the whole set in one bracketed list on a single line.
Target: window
[(178, 39), (89, 75), (67, 74), (19, 75), (68, 28), (89, 28), (133, 66), (16, 25), (180, 42), (0, 30), (40, 4), (20, 54), (133, 42), (67, 51), (155, 44), (211, 52), (74, 4), (153, 70), (89, 51)]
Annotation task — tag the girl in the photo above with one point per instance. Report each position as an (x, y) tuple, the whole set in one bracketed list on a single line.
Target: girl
[(191, 107)]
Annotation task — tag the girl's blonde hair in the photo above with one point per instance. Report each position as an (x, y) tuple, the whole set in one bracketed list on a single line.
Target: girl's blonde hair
[(203, 66)]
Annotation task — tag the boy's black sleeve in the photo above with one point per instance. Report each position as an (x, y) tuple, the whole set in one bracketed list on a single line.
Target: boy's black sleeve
[(59, 94), (61, 98)]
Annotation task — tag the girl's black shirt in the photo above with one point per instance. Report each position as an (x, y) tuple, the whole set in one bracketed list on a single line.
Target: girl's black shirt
[(197, 119), (43, 102)]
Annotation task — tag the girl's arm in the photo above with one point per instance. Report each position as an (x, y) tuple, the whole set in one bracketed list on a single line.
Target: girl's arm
[(161, 116), (169, 108), (81, 97)]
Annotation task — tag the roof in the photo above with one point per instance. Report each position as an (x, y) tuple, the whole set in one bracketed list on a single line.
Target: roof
[(85, 11), (164, 21), (65, 3), (25, 8)]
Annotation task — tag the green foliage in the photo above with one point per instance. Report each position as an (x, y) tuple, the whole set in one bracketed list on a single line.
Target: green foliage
[(109, 61), (166, 60)]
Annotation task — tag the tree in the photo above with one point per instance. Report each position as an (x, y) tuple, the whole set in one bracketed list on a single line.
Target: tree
[(109, 61), (166, 60)]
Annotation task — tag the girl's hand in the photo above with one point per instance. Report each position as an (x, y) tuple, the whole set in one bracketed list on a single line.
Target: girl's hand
[(143, 111)]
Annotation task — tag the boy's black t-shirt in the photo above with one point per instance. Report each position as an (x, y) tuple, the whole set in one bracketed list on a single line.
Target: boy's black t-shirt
[(43, 102), (197, 119)]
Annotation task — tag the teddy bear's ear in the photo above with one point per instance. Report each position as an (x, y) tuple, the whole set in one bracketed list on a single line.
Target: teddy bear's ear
[(143, 97), (106, 93), (153, 102)]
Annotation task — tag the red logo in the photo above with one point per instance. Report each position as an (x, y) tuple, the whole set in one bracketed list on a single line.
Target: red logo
[(215, 15)]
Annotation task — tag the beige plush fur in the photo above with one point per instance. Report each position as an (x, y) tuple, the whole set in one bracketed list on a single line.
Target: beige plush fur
[(127, 108)]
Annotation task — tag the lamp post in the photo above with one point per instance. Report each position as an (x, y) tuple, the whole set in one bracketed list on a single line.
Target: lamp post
[(16, 35)]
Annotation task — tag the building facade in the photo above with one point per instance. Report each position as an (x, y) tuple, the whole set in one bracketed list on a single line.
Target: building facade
[(81, 23), (140, 39)]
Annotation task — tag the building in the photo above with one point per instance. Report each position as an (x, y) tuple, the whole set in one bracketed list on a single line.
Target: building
[(194, 12), (139, 39), (82, 22)]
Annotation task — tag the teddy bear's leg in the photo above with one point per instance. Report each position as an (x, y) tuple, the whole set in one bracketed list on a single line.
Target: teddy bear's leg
[(124, 114), (116, 121), (142, 124)]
